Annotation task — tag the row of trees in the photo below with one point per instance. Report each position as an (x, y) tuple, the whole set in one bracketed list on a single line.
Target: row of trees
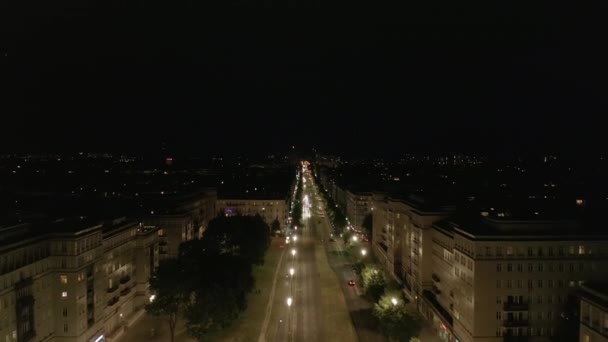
[(296, 217), (208, 283), (395, 319), (336, 215)]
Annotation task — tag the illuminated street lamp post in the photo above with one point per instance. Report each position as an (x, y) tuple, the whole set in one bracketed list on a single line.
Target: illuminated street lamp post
[(289, 330), (363, 252), (394, 301)]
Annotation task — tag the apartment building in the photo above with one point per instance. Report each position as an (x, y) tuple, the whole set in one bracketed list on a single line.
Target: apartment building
[(503, 279), (401, 238), (73, 280), (180, 219), (358, 205), (594, 313), (269, 208)]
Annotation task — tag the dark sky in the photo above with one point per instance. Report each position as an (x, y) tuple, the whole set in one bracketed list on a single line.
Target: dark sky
[(99, 78)]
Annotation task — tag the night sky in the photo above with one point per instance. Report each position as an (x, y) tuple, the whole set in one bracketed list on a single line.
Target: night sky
[(100, 78)]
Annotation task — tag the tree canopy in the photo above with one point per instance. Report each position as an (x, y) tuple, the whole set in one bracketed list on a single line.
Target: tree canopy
[(396, 320), (209, 281)]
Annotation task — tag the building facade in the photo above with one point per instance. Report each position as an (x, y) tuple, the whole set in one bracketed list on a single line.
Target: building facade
[(82, 282), (489, 278), (401, 236), (594, 313), (504, 280), (269, 209), (181, 219), (358, 206)]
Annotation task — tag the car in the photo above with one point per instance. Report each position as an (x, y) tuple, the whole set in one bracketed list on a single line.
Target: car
[(351, 283)]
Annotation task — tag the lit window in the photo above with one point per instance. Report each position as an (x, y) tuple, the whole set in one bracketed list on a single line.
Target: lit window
[(63, 279), (581, 250), (64, 294)]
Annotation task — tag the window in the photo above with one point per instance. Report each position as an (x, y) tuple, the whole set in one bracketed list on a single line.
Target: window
[(498, 300), (529, 283), (539, 300), (540, 251), (509, 267), (550, 300), (560, 267), (550, 283), (499, 315), (581, 250), (63, 279), (541, 267), (498, 267), (581, 266), (520, 284), (65, 327), (571, 283), (560, 283), (540, 315), (530, 251), (530, 268), (520, 268), (488, 251), (539, 284), (550, 267), (499, 251), (550, 250), (65, 312), (509, 283), (64, 294), (571, 250), (509, 250)]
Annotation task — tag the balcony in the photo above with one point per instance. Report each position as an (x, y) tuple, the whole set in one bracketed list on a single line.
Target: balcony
[(515, 306), (112, 289), (436, 290), (113, 301), (125, 291), (125, 279), (443, 313), (515, 323)]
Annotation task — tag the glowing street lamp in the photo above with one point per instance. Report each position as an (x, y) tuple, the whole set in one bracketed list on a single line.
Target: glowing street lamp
[(293, 252), (291, 271), (363, 252), (394, 301), (289, 301), (295, 238), (355, 238)]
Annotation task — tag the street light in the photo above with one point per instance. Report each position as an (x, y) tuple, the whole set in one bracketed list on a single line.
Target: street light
[(293, 252), (363, 252), (394, 301), (291, 271), (295, 238), (289, 300), (355, 238)]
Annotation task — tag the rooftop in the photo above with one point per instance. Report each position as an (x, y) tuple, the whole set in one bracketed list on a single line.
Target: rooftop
[(596, 293)]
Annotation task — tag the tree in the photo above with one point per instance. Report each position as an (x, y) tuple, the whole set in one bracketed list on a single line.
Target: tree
[(220, 295), (247, 236), (276, 225), (373, 282), (367, 224), (171, 291), (395, 320)]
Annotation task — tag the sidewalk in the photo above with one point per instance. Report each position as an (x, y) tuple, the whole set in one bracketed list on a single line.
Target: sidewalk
[(150, 328)]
